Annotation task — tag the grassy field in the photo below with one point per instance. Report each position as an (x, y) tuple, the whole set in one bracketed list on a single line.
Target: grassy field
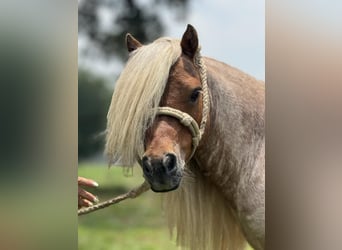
[(135, 224)]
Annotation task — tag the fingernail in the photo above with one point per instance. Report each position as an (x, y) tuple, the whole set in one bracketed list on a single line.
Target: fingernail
[(95, 184), (96, 200), (90, 203)]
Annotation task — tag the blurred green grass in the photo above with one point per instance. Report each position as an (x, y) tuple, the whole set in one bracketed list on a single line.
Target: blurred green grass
[(134, 224)]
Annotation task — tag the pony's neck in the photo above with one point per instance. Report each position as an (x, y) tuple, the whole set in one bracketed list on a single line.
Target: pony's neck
[(234, 137)]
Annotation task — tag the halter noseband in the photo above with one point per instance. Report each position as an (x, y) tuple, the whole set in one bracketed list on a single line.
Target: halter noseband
[(186, 119)]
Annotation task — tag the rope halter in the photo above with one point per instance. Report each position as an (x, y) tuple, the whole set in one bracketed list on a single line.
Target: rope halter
[(187, 120)]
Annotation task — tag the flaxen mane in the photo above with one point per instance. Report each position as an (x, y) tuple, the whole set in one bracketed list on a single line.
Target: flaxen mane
[(199, 216)]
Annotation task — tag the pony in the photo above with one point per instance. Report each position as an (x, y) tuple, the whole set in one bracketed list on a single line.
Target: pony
[(196, 127)]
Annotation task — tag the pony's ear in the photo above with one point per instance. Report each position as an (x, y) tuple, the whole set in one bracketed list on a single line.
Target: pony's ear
[(132, 43), (189, 41)]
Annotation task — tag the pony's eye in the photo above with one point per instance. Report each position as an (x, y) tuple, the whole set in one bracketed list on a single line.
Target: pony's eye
[(195, 94)]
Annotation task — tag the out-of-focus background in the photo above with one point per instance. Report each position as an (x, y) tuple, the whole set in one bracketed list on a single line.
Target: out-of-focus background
[(229, 31)]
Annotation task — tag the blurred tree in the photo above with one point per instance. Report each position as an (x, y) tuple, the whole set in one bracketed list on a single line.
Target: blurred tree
[(93, 103), (144, 21)]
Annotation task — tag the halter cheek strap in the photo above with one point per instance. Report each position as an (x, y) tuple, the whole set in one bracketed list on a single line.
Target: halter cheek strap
[(186, 119)]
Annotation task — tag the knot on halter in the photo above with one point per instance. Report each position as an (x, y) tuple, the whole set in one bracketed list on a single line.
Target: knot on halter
[(186, 120)]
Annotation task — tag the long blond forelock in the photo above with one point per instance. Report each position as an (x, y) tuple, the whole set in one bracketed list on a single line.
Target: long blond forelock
[(138, 92)]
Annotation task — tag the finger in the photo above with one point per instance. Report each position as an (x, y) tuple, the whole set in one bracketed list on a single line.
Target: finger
[(86, 195), (87, 182), (84, 203)]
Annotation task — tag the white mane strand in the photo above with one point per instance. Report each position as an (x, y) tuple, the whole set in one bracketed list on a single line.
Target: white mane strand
[(137, 92)]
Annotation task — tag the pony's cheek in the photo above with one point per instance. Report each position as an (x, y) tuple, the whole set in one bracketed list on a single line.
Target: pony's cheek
[(183, 150), (185, 147)]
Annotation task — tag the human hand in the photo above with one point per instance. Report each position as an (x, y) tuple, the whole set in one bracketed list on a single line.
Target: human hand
[(86, 199)]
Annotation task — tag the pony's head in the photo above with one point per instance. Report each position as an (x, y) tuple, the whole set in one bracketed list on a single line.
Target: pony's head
[(158, 119)]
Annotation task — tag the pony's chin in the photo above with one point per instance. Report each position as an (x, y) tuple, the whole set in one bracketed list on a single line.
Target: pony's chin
[(164, 190)]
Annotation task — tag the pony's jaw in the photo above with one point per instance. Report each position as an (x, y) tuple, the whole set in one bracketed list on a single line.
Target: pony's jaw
[(164, 183), (165, 188)]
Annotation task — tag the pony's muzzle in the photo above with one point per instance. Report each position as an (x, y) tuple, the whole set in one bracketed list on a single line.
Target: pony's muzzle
[(162, 173)]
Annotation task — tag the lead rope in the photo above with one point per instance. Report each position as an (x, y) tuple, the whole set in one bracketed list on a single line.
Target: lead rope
[(135, 192), (186, 120)]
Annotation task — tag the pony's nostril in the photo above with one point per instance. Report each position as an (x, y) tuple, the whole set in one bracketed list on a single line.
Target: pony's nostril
[(169, 162), (146, 165)]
